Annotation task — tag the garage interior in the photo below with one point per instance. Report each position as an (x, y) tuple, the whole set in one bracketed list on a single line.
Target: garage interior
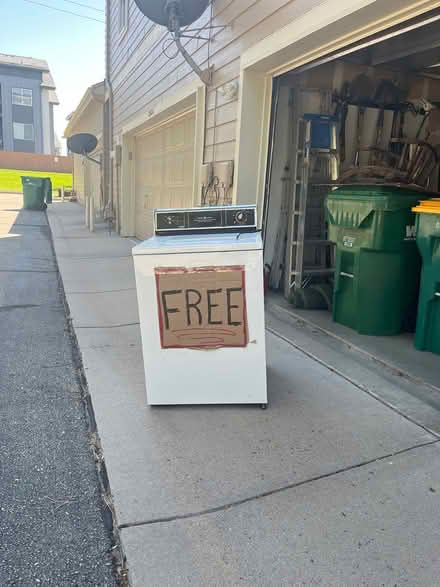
[(380, 103)]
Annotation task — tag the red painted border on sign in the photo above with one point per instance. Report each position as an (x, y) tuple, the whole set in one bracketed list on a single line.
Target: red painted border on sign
[(159, 270)]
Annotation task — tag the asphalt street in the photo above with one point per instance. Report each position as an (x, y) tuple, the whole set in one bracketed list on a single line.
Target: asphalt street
[(54, 524)]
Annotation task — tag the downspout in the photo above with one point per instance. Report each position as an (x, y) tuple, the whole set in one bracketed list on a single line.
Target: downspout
[(108, 126)]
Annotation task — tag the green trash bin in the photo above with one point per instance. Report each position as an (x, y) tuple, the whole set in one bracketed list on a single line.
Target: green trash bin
[(428, 240), (33, 193), (377, 262), (48, 190)]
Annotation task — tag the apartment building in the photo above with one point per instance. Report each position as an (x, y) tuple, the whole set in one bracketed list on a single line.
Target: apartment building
[(27, 101)]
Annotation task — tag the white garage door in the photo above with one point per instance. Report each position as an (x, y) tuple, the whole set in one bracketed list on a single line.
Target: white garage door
[(164, 170)]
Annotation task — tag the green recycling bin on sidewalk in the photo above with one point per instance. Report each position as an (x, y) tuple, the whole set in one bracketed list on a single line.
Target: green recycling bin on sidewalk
[(33, 192), (428, 240), (377, 262)]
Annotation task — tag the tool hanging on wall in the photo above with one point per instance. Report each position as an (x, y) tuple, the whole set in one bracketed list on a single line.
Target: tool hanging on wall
[(360, 128), (342, 100), (387, 93)]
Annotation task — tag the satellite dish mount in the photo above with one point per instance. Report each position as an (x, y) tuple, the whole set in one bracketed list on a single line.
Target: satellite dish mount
[(175, 14), (172, 9)]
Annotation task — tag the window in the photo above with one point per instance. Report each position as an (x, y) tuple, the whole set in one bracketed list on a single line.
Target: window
[(23, 132), (22, 97), (123, 15)]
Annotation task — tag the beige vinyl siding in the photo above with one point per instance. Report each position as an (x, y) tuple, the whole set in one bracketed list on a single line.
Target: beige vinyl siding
[(141, 73), (78, 176), (87, 178), (86, 174), (90, 120), (94, 180), (221, 126)]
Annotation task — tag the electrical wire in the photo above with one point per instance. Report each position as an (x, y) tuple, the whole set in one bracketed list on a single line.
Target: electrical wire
[(65, 11), (166, 45), (85, 5), (210, 34)]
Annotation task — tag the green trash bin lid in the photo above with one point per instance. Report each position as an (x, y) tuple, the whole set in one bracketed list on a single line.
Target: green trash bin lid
[(378, 197), (30, 180)]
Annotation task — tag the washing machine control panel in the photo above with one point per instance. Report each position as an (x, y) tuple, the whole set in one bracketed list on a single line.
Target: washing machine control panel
[(209, 218)]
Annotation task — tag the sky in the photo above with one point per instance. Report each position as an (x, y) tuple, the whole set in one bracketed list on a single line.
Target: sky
[(73, 47)]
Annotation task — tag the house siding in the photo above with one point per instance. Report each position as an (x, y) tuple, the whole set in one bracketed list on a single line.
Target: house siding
[(87, 174), (141, 73)]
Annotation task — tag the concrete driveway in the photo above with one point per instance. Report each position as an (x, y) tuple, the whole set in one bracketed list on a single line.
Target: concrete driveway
[(331, 485)]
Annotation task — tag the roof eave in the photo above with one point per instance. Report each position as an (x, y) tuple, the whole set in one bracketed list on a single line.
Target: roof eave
[(92, 94)]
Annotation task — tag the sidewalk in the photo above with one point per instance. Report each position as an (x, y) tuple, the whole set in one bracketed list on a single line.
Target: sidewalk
[(327, 486)]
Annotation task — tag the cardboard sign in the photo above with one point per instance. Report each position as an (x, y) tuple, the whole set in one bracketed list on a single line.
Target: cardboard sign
[(201, 307)]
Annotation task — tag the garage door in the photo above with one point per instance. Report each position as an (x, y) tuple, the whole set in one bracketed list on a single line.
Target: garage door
[(164, 170)]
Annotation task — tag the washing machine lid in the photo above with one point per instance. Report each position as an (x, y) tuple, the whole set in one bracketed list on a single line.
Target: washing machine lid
[(200, 243)]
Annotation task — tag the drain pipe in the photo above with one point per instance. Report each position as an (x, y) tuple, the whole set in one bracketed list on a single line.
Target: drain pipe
[(108, 127)]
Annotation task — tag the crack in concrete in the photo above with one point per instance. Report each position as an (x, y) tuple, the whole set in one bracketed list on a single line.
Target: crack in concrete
[(232, 504)]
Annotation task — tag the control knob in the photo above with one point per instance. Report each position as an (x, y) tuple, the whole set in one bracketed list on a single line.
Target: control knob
[(241, 217)]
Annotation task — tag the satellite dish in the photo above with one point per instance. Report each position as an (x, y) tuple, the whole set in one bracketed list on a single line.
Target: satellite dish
[(82, 143), (159, 11)]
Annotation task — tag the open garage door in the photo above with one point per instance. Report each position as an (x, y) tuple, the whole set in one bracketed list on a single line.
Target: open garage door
[(164, 170)]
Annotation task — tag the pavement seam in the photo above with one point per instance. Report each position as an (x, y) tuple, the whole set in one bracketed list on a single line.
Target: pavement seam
[(32, 225), (112, 326), (19, 307), (28, 271), (350, 345), (26, 306), (77, 293), (72, 258), (232, 504), (353, 382), (80, 237)]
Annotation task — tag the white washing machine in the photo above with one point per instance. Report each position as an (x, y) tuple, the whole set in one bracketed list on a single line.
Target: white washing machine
[(201, 306)]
